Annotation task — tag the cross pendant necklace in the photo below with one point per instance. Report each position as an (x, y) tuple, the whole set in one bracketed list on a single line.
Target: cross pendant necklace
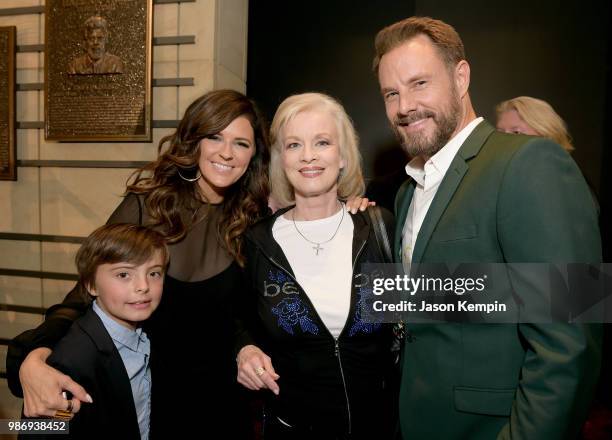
[(318, 246)]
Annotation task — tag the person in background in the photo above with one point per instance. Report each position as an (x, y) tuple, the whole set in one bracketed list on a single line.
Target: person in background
[(527, 115), (531, 116), (327, 368)]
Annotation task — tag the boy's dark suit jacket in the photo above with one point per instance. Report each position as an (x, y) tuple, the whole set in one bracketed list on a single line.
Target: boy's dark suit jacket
[(88, 355)]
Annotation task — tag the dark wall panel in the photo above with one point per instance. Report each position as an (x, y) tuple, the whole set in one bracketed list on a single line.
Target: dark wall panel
[(325, 46)]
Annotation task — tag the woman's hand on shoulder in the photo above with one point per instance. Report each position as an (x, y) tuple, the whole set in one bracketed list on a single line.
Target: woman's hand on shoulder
[(43, 387), (255, 369), (358, 204)]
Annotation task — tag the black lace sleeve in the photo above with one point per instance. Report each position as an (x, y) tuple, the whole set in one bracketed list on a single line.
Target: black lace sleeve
[(129, 210), (58, 320)]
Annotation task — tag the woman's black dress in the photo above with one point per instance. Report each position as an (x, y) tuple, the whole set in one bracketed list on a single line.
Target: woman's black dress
[(193, 363)]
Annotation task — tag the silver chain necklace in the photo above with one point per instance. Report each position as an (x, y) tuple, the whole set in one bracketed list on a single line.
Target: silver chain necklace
[(318, 247)]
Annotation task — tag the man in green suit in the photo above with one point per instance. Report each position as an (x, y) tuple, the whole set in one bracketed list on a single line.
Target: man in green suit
[(479, 196)]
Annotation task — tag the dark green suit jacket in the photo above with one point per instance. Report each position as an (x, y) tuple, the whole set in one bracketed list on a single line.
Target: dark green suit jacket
[(505, 198)]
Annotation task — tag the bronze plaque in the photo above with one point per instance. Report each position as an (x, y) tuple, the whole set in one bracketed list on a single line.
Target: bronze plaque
[(8, 166), (98, 70)]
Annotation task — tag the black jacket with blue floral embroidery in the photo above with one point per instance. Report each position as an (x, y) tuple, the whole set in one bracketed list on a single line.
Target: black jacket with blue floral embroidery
[(332, 384)]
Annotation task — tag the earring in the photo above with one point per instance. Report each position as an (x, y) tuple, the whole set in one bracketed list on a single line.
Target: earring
[(193, 179)]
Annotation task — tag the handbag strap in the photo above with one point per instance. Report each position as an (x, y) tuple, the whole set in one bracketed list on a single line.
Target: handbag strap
[(382, 239)]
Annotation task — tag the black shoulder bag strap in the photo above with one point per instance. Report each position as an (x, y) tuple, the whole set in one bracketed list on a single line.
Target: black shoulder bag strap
[(382, 239)]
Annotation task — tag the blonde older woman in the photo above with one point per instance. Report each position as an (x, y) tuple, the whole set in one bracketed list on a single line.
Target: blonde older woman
[(326, 366), (526, 115), (533, 116)]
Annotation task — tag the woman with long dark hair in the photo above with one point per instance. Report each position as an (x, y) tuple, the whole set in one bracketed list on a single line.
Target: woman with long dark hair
[(207, 186)]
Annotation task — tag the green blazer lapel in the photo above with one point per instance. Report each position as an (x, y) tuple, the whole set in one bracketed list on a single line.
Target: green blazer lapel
[(458, 167), (402, 203)]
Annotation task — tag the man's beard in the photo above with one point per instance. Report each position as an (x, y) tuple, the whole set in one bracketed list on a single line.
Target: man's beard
[(418, 144)]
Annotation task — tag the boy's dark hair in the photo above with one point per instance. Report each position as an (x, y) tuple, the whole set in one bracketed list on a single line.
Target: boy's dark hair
[(119, 242)]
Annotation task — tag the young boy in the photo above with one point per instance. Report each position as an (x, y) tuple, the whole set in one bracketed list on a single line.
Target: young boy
[(122, 266)]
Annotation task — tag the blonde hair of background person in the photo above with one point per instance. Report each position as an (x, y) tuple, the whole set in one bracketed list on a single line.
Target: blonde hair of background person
[(540, 116), (350, 181)]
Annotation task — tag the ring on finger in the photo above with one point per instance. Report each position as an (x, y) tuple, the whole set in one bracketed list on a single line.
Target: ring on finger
[(70, 406), (62, 415), (260, 371)]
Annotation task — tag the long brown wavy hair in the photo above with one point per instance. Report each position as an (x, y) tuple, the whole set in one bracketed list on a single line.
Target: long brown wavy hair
[(167, 195)]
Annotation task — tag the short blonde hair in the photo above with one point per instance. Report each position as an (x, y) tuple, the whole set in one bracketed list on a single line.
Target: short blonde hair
[(350, 183), (540, 116)]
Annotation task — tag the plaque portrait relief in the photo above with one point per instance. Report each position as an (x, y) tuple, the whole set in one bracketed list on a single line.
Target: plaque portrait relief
[(8, 164), (98, 70), (96, 60)]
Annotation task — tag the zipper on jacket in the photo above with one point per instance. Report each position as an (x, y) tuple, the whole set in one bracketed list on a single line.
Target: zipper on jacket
[(336, 342), (348, 405)]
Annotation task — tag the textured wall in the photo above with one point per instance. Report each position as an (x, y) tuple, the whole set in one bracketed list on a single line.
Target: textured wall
[(74, 201)]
